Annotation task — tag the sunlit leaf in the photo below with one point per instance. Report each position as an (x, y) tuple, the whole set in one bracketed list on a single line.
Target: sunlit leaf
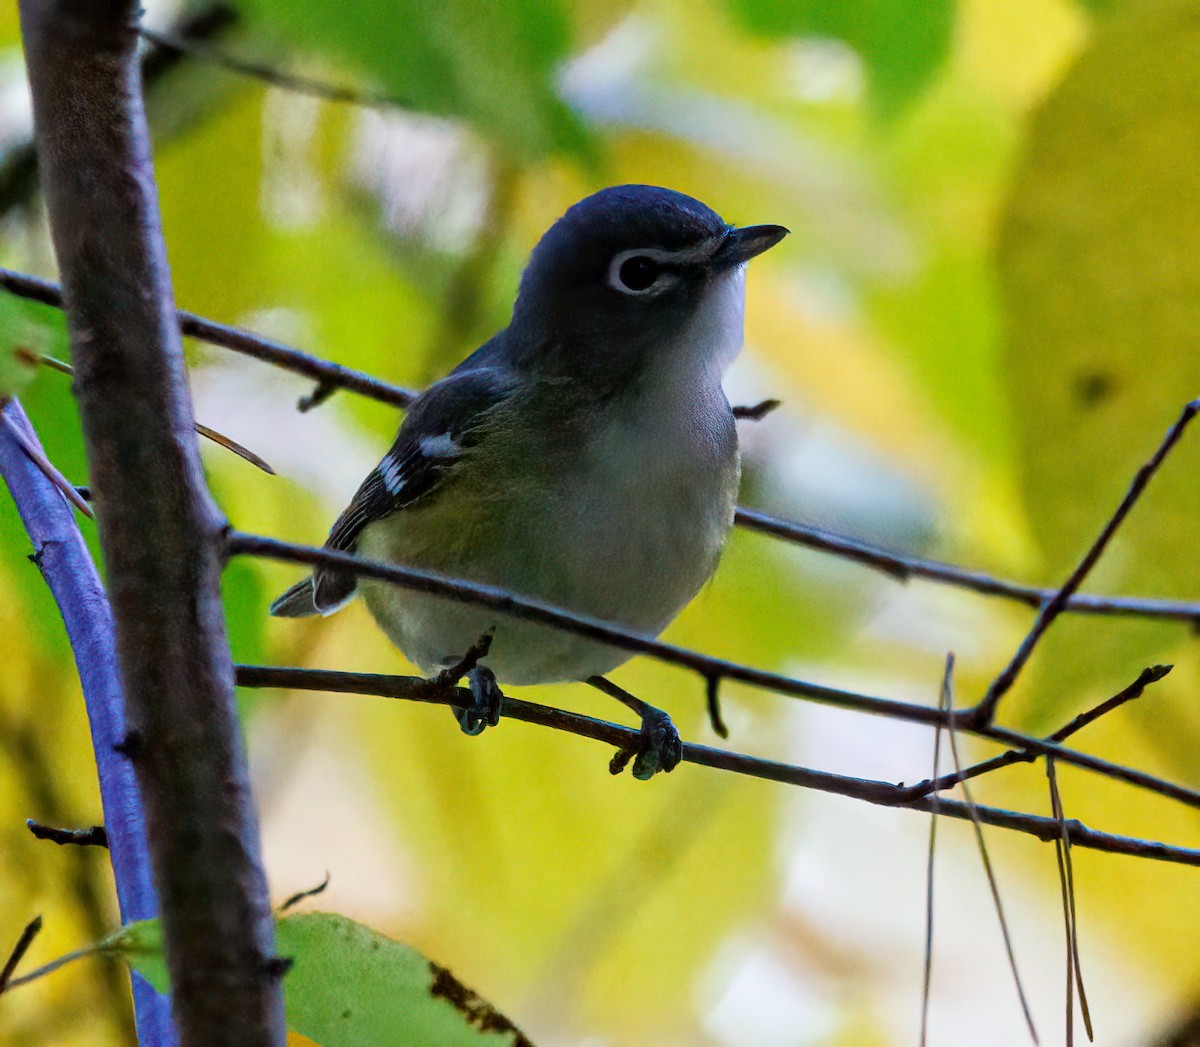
[(350, 986), (1101, 280)]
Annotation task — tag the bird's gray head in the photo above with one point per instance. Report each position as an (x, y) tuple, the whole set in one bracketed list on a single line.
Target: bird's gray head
[(628, 273)]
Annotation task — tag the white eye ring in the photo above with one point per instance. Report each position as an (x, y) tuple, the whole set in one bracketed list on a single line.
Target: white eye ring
[(654, 254)]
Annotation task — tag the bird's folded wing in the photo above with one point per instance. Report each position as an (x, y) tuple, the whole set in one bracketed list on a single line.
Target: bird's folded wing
[(442, 425)]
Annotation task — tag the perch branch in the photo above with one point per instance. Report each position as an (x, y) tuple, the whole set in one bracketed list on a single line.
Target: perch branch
[(877, 792), (706, 666)]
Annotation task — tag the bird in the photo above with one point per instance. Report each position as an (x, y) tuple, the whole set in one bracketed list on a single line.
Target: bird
[(586, 456)]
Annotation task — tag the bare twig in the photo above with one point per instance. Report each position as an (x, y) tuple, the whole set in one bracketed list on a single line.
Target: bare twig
[(927, 976), (756, 412), (903, 568), (240, 341), (1147, 676), (712, 695), (210, 434), (1066, 874), (416, 689), (95, 836), (56, 964), (38, 457), (330, 376), (977, 824), (985, 711), (704, 665), (19, 950), (295, 899), (272, 77), (232, 445), (131, 386)]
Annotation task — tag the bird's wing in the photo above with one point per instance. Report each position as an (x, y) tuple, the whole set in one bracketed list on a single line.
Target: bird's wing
[(442, 426)]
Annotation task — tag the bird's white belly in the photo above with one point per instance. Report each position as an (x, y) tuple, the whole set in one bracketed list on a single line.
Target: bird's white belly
[(628, 533)]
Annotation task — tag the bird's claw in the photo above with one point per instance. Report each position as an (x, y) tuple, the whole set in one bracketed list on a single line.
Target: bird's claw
[(659, 748), (486, 705)]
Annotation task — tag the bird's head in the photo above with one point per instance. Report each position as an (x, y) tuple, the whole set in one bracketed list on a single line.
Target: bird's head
[(631, 274)]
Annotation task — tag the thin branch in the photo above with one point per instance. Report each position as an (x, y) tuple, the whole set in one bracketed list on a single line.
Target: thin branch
[(54, 965), (19, 950), (272, 77), (183, 737), (509, 603), (295, 899), (1066, 873), (38, 457), (985, 711), (209, 434), (704, 665), (977, 825), (330, 376), (411, 688), (712, 697), (902, 568), (927, 977), (237, 339), (95, 836), (1147, 676), (756, 412), (18, 167)]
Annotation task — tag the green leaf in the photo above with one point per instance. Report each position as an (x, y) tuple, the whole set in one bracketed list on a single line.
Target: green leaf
[(1101, 283), (350, 986), (493, 64), (15, 372), (901, 42), (24, 332)]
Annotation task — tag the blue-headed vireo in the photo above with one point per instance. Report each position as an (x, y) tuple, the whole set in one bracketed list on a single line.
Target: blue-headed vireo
[(586, 455)]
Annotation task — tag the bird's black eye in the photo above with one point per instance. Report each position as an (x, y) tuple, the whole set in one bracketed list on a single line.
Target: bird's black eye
[(638, 273)]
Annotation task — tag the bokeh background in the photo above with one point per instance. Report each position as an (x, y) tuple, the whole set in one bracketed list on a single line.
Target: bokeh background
[(986, 317)]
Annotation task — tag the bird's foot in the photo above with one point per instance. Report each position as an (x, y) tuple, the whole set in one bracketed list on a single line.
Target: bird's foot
[(659, 748), (486, 705), (487, 700)]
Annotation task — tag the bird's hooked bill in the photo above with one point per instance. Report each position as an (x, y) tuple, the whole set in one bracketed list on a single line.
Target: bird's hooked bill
[(748, 241)]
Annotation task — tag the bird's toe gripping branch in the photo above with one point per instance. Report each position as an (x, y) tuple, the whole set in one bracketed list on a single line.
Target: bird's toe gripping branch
[(659, 748), (488, 700)]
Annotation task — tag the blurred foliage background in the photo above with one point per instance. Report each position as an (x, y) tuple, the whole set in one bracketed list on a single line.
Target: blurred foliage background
[(984, 321)]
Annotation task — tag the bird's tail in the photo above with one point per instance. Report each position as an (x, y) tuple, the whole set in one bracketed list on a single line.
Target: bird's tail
[(297, 602)]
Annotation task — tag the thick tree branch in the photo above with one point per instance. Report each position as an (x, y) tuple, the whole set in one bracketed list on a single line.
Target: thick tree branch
[(63, 558), (161, 535)]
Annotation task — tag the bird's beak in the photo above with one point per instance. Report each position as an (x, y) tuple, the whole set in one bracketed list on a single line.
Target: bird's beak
[(749, 241)]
